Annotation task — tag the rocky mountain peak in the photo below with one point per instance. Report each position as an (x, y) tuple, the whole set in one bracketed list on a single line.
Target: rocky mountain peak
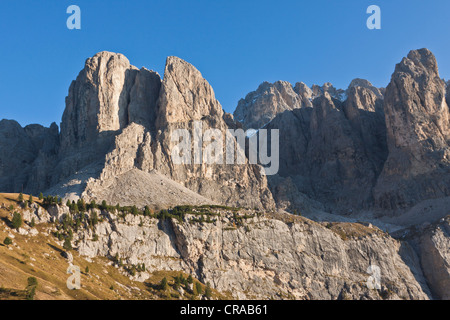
[(362, 83), (185, 95), (418, 132), (418, 62), (261, 106)]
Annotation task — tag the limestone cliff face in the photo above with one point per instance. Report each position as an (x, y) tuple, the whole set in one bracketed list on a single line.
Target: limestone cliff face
[(185, 98), (434, 246), (106, 97), (364, 110), (339, 168), (267, 256), (418, 131), (257, 255), (118, 125), (383, 149)]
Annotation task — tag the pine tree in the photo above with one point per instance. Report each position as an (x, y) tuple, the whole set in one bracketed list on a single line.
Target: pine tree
[(32, 281), (21, 197), (163, 284), (67, 245), (41, 196), (16, 220), (94, 218), (31, 288), (31, 291), (30, 199)]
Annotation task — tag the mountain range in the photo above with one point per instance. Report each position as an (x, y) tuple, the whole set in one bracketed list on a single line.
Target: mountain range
[(379, 156)]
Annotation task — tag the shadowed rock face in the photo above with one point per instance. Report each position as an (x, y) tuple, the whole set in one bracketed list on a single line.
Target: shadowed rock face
[(25, 155), (380, 148), (418, 132), (186, 97), (270, 99), (106, 97)]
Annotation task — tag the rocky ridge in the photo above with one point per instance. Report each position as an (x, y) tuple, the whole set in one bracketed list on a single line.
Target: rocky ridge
[(257, 255)]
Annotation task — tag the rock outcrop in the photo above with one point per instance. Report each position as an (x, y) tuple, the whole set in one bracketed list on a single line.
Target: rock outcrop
[(26, 155), (118, 124), (186, 98), (333, 152), (266, 256), (367, 148), (418, 133)]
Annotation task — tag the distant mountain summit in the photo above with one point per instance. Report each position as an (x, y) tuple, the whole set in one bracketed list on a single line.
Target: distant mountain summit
[(362, 148)]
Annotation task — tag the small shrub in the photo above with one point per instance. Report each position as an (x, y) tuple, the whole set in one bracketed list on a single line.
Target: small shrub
[(32, 281), (163, 285), (198, 290), (67, 245), (7, 241), (31, 288)]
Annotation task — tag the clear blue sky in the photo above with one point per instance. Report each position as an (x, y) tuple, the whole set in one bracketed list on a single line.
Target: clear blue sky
[(236, 44)]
